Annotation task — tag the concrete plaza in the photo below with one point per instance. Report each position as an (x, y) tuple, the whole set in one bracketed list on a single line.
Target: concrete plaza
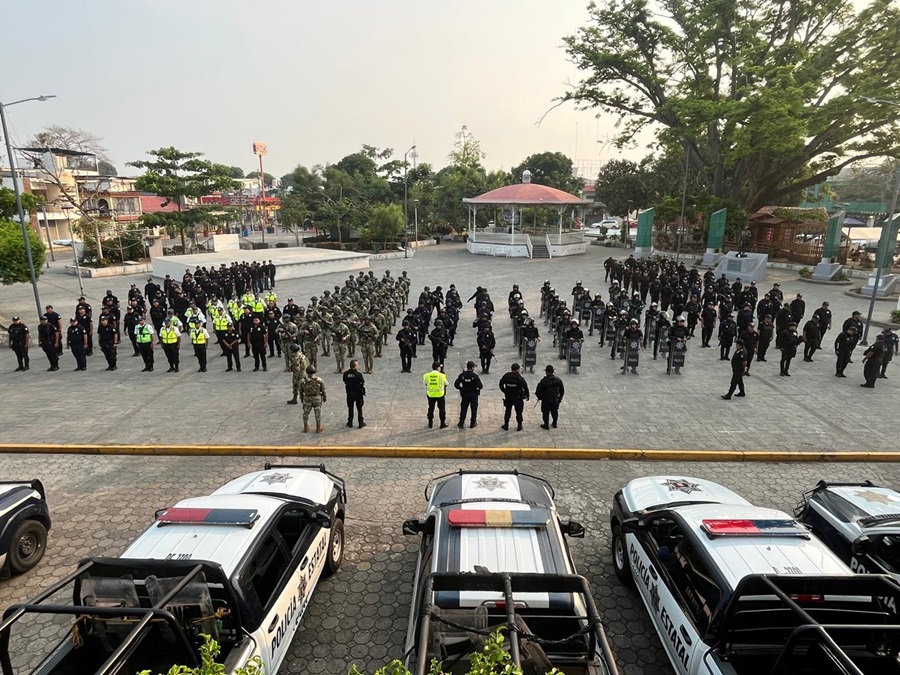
[(810, 411)]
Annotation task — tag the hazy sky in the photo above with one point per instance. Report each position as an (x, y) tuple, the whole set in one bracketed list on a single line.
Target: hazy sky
[(314, 80)]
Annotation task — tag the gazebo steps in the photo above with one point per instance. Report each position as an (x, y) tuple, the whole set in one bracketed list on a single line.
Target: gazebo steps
[(539, 250)]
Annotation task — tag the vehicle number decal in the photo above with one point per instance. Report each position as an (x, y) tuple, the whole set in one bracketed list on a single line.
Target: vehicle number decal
[(179, 556)]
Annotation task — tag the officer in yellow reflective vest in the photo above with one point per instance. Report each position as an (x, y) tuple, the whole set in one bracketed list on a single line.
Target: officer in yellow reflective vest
[(248, 299), (258, 309), (270, 297), (220, 325), (435, 389), (170, 338), (143, 336), (200, 340)]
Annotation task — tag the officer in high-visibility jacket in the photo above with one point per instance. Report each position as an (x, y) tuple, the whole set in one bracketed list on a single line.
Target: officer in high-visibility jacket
[(170, 339), (435, 390), (220, 325), (200, 340)]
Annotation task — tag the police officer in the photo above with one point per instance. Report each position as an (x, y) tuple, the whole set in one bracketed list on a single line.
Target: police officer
[(108, 339), (812, 336), (890, 348), (515, 393), (824, 316), (550, 392), (677, 335), (355, 386), (312, 394), (77, 342), (872, 359), (49, 340), (406, 340), (843, 348), (170, 339), (435, 390), (200, 340), (766, 335), (739, 362), (298, 369), (257, 338), (440, 340), (143, 335), (19, 340), (787, 342), (486, 344), (231, 345), (727, 333), (469, 385)]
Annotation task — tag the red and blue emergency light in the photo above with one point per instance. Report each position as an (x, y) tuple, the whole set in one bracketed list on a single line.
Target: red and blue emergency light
[(754, 528), (496, 518), (201, 516)]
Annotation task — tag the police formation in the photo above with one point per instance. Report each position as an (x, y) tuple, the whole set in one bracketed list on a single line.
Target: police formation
[(655, 307)]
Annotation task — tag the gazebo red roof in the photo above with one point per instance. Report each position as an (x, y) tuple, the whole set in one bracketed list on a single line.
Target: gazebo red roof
[(527, 193)]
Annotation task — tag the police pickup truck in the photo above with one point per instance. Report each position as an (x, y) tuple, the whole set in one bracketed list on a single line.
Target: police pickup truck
[(860, 522), (493, 553), (24, 522), (736, 589), (239, 565)]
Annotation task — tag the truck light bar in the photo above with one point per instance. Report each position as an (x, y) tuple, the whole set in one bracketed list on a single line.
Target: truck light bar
[(199, 516), (496, 518), (754, 528)]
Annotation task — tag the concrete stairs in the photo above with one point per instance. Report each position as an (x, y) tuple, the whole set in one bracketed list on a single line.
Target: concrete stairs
[(539, 249)]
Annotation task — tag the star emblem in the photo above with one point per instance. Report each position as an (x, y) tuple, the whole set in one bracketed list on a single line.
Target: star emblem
[(877, 497), (654, 597), (682, 485), (273, 478), (490, 483)]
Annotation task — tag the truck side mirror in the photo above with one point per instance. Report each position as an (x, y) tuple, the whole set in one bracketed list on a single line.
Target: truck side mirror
[(573, 529), (633, 525), (322, 519), (412, 527), (862, 545)]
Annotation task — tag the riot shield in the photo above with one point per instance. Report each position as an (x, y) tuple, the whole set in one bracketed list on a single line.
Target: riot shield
[(610, 334), (573, 355), (530, 357), (620, 342), (597, 321), (663, 341), (632, 353), (562, 343), (679, 350), (650, 329)]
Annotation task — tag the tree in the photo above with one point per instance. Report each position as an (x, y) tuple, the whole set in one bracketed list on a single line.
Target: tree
[(8, 208), (106, 168), (236, 171), (386, 222), (622, 183), (294, 214), (467, 152), (269, 179), (13, 261), (76, 140), (553, 169), (866, 183), (766, 97), (177, 175)]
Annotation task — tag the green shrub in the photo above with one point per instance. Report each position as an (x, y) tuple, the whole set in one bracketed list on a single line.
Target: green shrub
[(895, 316), (209, 650), (806, 273)]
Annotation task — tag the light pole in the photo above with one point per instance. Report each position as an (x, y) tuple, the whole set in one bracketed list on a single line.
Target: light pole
[(416, 212), (406, 205), (888, 239), (18, 192), (68, 207), (687, 157)]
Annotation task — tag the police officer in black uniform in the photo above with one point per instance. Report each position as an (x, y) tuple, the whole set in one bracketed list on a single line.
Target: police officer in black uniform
[(109, 341), (872, 359), (49, 340), (77, 341), (486, 343), (550, 392), (355, 386), (843, 348), (787, 342), (407, 338), (19, 340), (739, 362), (515, 393), (890, 348), (469, 385)]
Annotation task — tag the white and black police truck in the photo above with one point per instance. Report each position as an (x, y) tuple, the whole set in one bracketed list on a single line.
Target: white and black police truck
[(493, 553), (239, 565), (736, 589), (24, 523), (860, 522)]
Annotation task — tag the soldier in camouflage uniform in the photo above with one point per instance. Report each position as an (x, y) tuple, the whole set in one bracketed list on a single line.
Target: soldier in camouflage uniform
[(352, 322), (298, 368), (309, 336), (287, 334), (380, 321), (326, 322), (340, 333), (368, 335), (312, 393)]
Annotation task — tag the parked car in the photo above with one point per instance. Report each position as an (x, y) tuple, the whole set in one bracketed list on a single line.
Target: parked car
[(239, 565), (24, 523)]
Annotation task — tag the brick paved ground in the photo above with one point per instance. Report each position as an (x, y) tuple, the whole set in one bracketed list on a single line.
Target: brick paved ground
[(99, 504), (809, 411)]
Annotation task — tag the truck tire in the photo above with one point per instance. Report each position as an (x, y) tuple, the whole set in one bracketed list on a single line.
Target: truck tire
[(27, 547), (335, 548), (621, 564)]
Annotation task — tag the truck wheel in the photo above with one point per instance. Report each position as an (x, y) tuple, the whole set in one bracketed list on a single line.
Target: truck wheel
[(27, 547), (621, 563), (335, 547)]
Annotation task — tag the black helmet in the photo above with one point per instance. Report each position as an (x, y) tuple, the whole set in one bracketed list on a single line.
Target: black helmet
[(310, 369), (295, 347)]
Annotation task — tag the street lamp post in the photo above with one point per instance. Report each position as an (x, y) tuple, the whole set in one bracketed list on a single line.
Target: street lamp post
[(406, 205), (68, 207), (18, 193), (888, 239), (687, 157)]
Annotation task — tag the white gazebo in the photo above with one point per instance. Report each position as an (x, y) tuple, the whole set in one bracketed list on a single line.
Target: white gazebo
[(507, 242)]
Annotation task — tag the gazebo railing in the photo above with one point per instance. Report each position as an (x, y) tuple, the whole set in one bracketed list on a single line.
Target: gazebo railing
[(566, 238), (482, 237)]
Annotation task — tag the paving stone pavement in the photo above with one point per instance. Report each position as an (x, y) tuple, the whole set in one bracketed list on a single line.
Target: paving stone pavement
[(810, 411), (99, 504)]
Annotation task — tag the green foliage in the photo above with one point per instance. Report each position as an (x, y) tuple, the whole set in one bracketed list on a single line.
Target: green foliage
[(621, 182), (805, 272), (866, 183), (550, 168), (467, 152), (386, 222), (766, 97), (106, 168), (895, 316), (13, 262), (195, 219), (209, 650), (236, 171), (269, 179), (8, 203)]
